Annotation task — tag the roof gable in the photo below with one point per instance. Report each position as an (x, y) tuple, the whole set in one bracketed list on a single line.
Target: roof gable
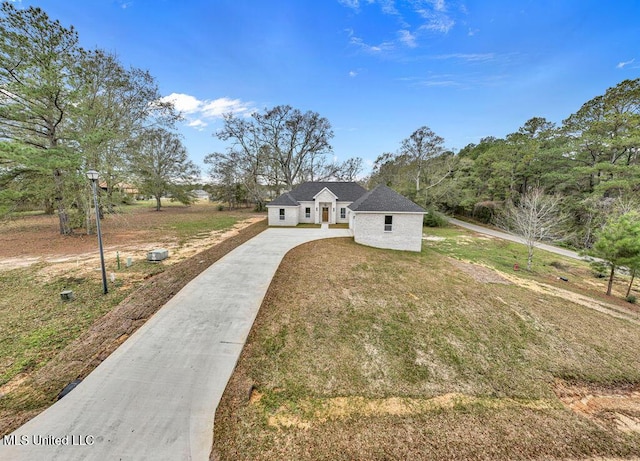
[(306, 192), (384, 199), (325, 189)]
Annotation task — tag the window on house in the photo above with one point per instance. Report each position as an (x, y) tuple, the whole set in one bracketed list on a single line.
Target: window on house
[(307, 212), (281, 214), (388, 223), (343, 213)]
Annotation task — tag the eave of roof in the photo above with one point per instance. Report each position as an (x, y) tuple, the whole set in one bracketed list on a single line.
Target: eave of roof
[(383, 199), (285, 199)]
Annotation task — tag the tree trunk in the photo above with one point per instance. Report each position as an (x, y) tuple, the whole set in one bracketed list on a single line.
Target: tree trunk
[(158, 203), (109, 198), (63, 216), (87, 213), (633, 276), (529, 257), (58, 180), (613, 271), (88, 220), (48, 206)]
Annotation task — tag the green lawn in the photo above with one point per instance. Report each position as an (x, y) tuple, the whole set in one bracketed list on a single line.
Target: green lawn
[(36, 324), (377, 354)]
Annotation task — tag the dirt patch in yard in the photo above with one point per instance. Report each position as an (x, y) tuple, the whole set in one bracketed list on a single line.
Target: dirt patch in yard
[(319, 411), (80, 357), (87, 262), (612, 407), (34, 239), (583, 300), (484, 274), (479, 273)]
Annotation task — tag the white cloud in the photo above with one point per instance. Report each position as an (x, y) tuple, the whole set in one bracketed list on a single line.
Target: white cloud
[(218, 107), (623, 64), (438, 5), (352, 73), (184, 103), (436, 21), (470, 57), (353, 4), (388, 7), (198, 124), (407, 38), (197, 111), (441, 83), (463, 80), (385, 46), (413, 17), (443, 80)]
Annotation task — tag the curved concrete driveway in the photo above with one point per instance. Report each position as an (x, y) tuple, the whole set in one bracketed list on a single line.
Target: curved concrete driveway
[(155, 397)]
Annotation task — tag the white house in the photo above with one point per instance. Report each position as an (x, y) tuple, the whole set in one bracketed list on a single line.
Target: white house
[(385, 219), (380, 218), (200, 194), (315, 202)]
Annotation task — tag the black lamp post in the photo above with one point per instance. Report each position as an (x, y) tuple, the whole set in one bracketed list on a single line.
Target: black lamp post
[(93, 176)]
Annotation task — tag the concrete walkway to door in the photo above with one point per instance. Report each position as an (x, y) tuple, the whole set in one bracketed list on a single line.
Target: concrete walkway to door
[(155, 397)]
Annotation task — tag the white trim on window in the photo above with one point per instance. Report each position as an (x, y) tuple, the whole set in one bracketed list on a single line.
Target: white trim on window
[(281, 214)]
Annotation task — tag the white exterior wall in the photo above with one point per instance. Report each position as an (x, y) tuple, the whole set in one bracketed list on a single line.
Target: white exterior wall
[(345, 206), (303, 206), (290, 216), (406, 234), (325, 198)]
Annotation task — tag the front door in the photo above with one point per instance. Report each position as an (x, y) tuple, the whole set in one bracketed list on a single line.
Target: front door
[(325, 214)]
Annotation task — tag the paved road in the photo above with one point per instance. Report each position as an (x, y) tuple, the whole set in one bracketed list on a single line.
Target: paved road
[(155, 397), (513, 238)]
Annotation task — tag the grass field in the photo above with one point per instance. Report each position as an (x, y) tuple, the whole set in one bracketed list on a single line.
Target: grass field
[(373, 354), (38, 330)]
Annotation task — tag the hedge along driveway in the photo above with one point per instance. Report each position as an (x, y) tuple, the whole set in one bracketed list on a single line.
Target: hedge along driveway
[(155, 397)]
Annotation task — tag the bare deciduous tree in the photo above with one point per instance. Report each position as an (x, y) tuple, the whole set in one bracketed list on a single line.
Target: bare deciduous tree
[(422, 145), (535, 218), (289, 140)]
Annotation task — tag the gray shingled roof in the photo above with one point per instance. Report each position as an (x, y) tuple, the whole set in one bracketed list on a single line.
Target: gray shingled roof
[(345, 191), (285, 199), (382, 198)]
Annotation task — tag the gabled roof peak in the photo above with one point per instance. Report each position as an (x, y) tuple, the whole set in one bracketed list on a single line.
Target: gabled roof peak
[(324, 189)]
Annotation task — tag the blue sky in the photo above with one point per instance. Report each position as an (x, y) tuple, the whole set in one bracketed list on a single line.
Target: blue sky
[(377, 69)]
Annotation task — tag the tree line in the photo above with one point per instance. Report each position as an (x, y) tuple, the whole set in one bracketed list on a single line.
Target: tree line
[(65, 110), (585, 170), (592, 161), (271, 152)]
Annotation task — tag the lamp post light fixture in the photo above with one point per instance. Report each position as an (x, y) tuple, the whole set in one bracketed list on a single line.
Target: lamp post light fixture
[(93, 177)]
